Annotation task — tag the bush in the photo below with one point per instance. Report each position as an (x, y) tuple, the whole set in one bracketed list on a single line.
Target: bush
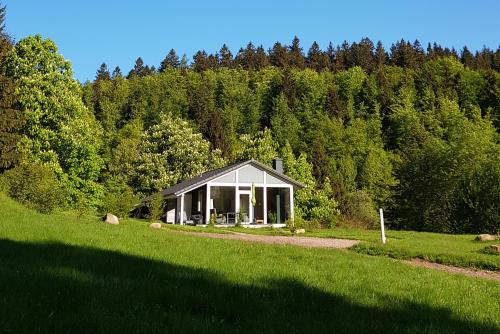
[(35, 186), (314, 224), (359, 206), (155, 206), (120, 203), (271, 218)]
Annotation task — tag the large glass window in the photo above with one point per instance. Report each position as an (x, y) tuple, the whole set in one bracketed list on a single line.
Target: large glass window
[(278, 205), (259, 205), (223, 199)]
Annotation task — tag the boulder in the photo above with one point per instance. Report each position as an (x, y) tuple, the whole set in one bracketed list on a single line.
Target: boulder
[(156, 226), (300, 231), (495, 248), (485, 237), (111, 219)]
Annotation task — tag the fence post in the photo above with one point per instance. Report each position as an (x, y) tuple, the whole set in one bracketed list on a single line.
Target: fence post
[(382, 228)]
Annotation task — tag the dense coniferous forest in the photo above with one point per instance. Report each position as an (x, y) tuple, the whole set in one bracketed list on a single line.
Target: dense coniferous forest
[(413, 130)]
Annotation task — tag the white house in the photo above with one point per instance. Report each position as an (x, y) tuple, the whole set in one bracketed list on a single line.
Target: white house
[(248, 191)]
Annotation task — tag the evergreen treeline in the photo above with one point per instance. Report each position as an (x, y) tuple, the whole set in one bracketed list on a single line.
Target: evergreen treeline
[(413, 131), (365, 54)]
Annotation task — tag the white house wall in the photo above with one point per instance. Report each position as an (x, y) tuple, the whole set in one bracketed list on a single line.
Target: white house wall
[(227, 178), (249, 174), (271, 179)]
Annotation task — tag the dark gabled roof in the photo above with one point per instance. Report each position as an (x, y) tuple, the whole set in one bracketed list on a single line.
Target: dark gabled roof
[(203, 178)]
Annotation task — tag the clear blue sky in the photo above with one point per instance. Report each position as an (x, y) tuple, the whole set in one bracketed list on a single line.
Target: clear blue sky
[(117, 32)]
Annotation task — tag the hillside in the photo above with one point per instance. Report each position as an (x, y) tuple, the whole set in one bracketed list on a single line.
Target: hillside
[(59, 273)]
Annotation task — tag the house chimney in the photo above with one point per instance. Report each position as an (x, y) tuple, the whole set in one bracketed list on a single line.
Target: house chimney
[(278, 165)]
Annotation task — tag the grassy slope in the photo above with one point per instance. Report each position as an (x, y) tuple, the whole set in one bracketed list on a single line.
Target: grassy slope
[(60, 274), (458, 250)]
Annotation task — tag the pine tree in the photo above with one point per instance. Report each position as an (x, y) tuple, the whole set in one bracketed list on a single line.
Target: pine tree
[(139, 69), (213, 61), (496, 60), (225, 57), (11, 119), (404, 55), (430, 51), (117, 73), (295, 54), (3, 12), (102, 73), (362, 54), (278, 56), (484, 59), (317, 59), (171, 61), (467, 58), (419, 53), (200, 61), (184, 62), (261, 59), (330, 53), (246, 57), (342, 57), (380, 55)]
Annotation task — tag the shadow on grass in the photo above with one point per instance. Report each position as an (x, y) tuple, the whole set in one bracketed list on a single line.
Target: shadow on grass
[(56, 288)]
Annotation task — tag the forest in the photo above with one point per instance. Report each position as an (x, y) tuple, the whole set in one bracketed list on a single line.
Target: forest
[(411, 130)]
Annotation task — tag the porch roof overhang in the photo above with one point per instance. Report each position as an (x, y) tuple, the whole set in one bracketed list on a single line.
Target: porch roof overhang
[(204, 178)]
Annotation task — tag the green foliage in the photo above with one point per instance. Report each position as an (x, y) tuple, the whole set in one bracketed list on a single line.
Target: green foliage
[(271, 218), (124, 154), (359, 207), (441, 188), (170, 152), (155, 204), (285, 126), (260, 146), (354, 159), (212, 220), (58, 130), (412, 132), (36, 186), (311, 203), (11, 119), (120, 201)]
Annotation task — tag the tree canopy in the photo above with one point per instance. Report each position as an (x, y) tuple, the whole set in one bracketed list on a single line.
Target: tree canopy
[(410, 129)]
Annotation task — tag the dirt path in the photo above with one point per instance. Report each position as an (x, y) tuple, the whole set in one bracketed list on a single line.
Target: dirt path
[(268, 239), (494, 275)]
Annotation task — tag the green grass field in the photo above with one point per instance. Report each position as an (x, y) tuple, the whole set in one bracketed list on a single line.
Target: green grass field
[(457, 250), (60, 274)]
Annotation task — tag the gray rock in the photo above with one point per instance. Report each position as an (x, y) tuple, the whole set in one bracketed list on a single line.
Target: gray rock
[(495, 248), (300, 231), (156, 226), (111, 219), (485, 237)]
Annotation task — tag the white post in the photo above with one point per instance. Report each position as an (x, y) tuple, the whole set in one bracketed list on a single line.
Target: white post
[(182, 209), (177, 209), (264, 198), (236, 201), (291, 206), (264, 203), (198, 201), (207, 205), (382, 228)]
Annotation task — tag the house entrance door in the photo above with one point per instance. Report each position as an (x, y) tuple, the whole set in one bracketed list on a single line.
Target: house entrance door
[(246, 207)]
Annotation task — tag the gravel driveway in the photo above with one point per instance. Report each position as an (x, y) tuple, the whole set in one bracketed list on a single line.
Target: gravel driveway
[(294, 240)]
